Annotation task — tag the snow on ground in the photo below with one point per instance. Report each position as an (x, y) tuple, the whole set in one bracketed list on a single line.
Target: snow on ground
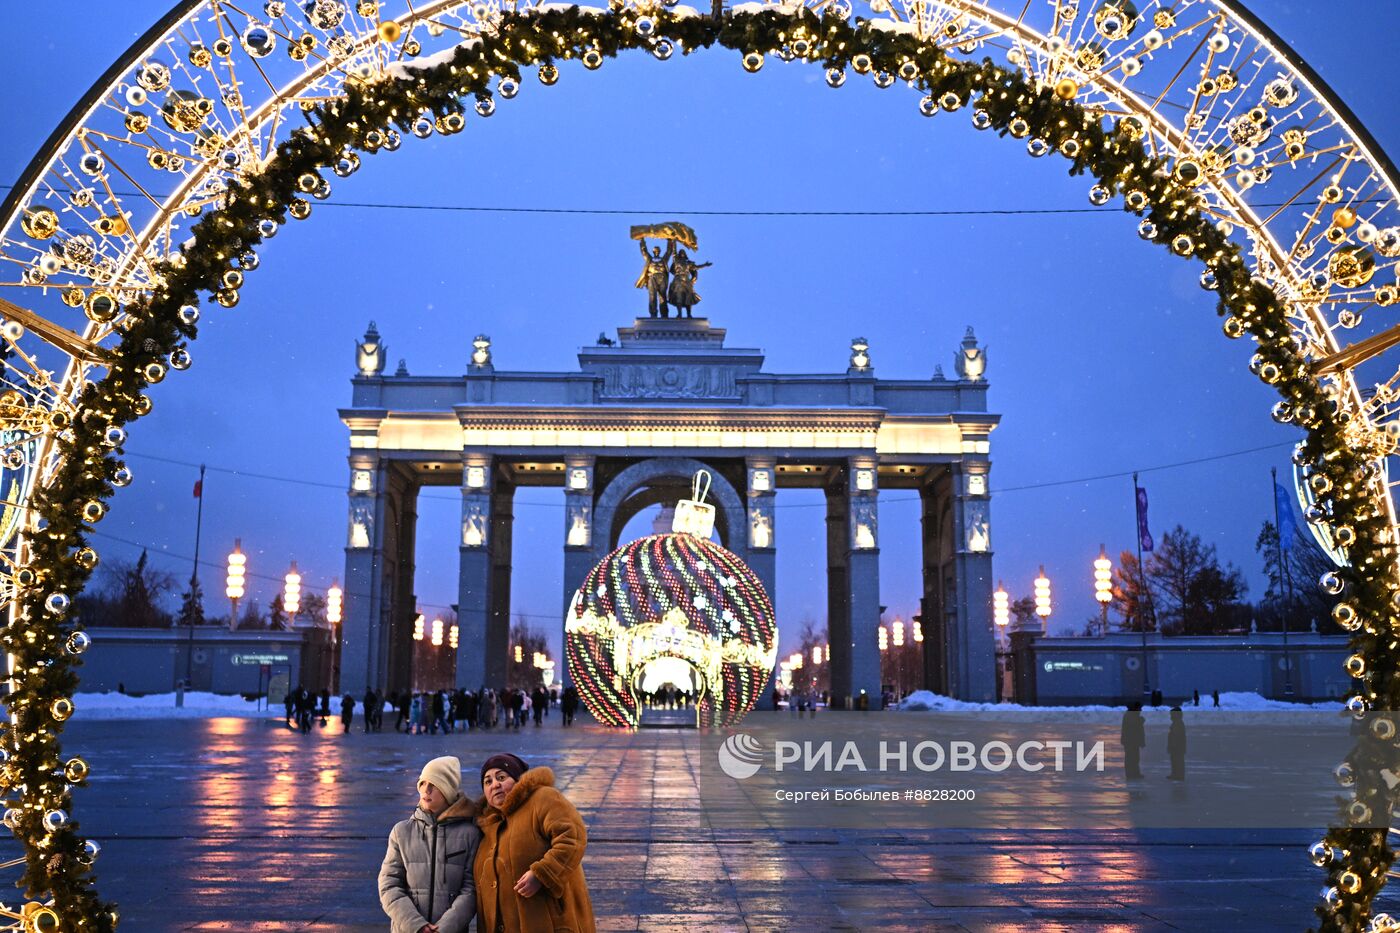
[(106, 706), (925, 700), (162, 706)]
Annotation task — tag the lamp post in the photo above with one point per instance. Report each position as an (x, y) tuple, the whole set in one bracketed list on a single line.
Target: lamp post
[(233, 582), (1001, 617), (1103, 584), (1042, 597), (436, 638), (897, 638), (291, 593), (334, 601)]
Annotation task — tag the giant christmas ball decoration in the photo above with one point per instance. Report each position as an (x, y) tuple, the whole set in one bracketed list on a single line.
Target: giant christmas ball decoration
[(661, 602)]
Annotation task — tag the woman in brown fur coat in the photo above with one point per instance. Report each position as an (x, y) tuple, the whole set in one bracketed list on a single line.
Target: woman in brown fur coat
[(529, 866)]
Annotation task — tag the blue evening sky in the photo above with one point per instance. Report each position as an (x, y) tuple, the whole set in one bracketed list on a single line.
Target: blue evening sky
[(1105, 355)]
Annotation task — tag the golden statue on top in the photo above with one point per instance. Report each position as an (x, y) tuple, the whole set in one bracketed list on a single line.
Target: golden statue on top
[(669, 276)]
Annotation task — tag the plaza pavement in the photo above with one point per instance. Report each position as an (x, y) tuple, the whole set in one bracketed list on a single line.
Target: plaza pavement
[(244, 825)]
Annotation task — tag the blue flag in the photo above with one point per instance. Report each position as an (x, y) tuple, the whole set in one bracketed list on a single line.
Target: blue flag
[(1144, 535), (1287, 524)]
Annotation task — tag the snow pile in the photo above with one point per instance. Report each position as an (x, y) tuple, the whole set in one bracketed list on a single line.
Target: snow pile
[(92, 706), (401, 70), (926, 700), (786, 7), (891, 25)]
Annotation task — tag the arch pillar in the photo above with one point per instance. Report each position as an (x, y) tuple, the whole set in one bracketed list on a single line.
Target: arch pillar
[(853, 583), (484, 572), (579, 532), (379, 567), (761, 536)]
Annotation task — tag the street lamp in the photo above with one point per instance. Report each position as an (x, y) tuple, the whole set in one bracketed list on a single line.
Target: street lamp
[(1103, 583), (233, 583), (884, 639), (1001, 616), (334, 601), (418, 627), (1001, 606), (291, 593), (452, 637), (1042, 594), (519, 654), (816, 654), (437, 633)]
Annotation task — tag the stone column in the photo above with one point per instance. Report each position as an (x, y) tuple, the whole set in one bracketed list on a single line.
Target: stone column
[(936, 506), (972, 654), (762, 541), (863, 561), (838, 622), (579, 533), (498, 621), (362, 631), (403, 607), (474, 572)]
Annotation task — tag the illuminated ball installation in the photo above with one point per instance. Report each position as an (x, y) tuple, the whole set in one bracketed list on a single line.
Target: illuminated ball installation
[(668, 598)]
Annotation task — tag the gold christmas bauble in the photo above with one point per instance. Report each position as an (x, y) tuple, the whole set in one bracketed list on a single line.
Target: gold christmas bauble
[(1066, 89), (1351, 266), (40, 223), (389, 31)]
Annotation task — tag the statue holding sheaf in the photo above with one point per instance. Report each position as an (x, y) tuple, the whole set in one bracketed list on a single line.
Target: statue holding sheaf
[(668, 281)]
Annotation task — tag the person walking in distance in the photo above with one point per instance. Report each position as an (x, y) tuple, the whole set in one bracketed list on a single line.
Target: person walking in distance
[(1176, 746), (1133, 736)]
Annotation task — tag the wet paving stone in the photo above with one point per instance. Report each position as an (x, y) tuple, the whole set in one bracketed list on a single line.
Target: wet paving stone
[(243, 825)]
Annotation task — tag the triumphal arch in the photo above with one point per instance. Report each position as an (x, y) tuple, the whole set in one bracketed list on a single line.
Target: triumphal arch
[(628, 430)]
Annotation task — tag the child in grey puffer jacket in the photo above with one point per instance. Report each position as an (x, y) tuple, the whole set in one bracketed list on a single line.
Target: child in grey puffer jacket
[(425, 883)]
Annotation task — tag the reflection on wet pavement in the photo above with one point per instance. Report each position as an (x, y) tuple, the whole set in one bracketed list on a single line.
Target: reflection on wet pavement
[(244, 825)]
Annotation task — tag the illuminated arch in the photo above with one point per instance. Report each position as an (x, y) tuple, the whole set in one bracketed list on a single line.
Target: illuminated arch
[(163, 179)]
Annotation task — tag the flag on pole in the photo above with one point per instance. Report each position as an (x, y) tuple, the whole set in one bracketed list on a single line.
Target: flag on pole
[(1287, 523), (199, 489), (1144, 535)]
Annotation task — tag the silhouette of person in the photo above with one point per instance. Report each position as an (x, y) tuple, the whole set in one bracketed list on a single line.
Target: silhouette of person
[(1133, 735), (1176, 745)]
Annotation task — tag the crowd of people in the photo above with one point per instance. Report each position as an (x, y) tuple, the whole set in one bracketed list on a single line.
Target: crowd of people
[(433, 711)]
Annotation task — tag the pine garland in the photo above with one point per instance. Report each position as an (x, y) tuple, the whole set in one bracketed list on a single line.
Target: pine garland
[(1346, 482)]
